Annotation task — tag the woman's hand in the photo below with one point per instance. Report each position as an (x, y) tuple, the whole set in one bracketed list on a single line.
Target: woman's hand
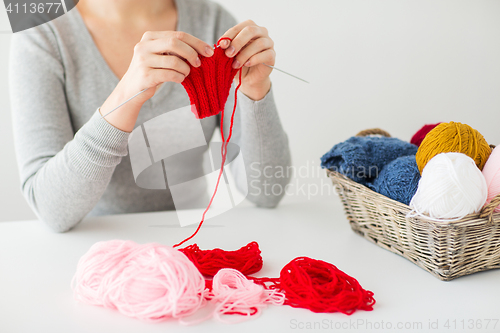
[(159, 57), (162, 56), (251, 46)]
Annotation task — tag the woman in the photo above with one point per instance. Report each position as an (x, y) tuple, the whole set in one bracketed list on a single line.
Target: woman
[(72, 161)]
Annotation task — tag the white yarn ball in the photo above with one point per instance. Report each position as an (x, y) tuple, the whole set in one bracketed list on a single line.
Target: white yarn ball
[(451, 187)]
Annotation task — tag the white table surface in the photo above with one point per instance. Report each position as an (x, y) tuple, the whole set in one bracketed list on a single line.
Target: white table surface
[(36, 267)]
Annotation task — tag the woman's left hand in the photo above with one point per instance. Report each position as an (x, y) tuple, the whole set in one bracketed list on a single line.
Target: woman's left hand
[(251, 47)]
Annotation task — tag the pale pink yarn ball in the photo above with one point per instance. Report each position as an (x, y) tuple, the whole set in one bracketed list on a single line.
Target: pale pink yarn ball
[(234, 293), (151, 282), (491, 172)]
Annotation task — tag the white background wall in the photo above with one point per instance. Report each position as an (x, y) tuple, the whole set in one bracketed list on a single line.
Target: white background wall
[(394, 64)]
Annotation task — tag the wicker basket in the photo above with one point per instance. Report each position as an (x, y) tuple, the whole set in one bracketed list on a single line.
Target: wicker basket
[(445, 249)]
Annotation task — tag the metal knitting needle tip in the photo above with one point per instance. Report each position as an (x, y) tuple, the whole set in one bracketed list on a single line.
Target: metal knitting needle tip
[(128, 100), (285, 72)]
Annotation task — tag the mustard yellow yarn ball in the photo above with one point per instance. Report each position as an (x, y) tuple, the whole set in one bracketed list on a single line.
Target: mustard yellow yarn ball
[(453, 138)]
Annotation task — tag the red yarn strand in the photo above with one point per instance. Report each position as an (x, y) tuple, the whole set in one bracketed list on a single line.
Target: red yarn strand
[(223, 154), (307, 283), (320, 287), (223, 38)]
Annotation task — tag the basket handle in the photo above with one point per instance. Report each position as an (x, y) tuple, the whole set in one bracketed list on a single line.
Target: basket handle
[(489, 209), (374, 131)]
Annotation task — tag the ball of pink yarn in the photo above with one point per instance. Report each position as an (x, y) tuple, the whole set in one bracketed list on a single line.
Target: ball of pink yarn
[(151, 282), (491, 172)]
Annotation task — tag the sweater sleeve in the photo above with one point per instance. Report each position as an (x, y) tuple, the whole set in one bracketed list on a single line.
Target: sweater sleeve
[(260, 135), (63, 174)]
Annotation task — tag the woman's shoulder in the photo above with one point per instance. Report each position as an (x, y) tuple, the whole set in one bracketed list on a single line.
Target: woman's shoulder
[(51, 35)]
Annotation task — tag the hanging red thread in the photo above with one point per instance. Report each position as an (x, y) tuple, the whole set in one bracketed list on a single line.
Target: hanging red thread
[(320, 287), (247, 260), (208, 88)]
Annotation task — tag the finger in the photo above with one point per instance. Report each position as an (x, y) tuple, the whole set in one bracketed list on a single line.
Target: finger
[(156, 76), (167, 75), (233, 32), (173, 46), (257, 46), (197, 44), (158, 87), (169, 62), (267, 57), (246, 35)]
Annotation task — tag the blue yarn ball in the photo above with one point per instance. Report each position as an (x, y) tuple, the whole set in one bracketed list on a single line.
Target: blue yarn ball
[(363, 158), (398, 180)]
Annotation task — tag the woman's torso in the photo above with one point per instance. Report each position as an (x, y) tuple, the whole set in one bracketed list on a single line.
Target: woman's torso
[(89, 80)]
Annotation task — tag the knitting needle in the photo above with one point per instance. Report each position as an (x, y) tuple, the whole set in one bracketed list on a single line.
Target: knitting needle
[(282, 71), (128, 100), (140, 92)]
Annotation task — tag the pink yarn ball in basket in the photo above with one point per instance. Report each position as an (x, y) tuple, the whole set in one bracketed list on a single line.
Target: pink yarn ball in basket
[(491, 172)]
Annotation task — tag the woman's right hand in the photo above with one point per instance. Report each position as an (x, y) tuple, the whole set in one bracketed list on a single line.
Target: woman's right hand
[(160, 56)]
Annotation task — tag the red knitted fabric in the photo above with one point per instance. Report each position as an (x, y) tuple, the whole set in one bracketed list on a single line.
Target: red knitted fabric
[(208, 85), (421, 133), (247, 260)]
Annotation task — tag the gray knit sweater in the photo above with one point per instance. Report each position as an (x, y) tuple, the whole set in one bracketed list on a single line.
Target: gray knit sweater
[(73, 163)]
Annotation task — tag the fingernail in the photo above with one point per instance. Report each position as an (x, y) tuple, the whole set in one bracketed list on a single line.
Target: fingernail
[(230, 51), (236, 64), (209, 51), (198, 62), (247, 63), (225, 43)]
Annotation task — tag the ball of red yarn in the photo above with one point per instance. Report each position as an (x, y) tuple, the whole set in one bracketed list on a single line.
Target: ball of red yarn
[(247, 260), (320, 287), (418, 137)]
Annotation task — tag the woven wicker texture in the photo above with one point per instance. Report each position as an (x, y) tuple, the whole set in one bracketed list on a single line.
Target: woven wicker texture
[(445, 249)]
